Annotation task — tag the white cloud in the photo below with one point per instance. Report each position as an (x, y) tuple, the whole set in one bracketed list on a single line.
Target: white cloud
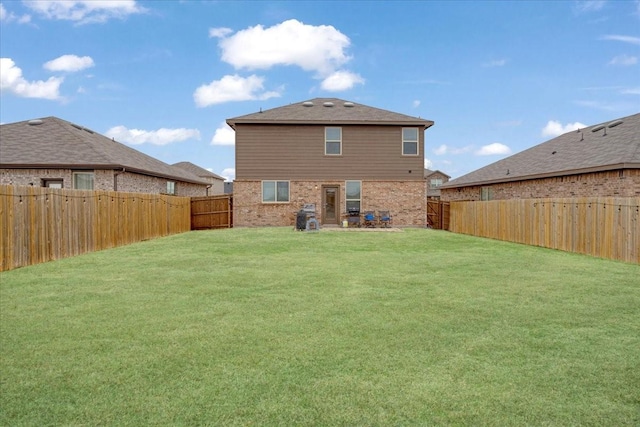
[(341, 80), (232, 88), (11, 81), (445, 149), (441, 150), (555, 128), (312, 48), (631, 91), (229, 174), (495, 63), (219, 32), (69, 63), (6, 16), (493, 149), (224, 135), (624, 60), (427, 163), (84, 11), (589, 6), (416, 103), (625, 39), (161, 136)]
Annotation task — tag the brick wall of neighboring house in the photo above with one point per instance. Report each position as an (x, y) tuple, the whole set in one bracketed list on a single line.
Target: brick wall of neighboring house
[(103, 180), (404, 199), (618, 183), (136, 183)]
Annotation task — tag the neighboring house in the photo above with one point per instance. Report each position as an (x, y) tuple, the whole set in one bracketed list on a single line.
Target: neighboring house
[(598, 161), (51, 152), (435, 179), (216, 182), (336, 154)]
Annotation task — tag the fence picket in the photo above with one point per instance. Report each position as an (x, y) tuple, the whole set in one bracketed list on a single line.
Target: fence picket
[(606, 227)]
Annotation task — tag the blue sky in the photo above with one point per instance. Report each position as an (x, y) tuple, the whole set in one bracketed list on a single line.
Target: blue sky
[(162, 76)]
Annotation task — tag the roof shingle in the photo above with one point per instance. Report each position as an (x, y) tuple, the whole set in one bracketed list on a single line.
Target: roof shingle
[(329, 110), (55, 143), (601, 147)]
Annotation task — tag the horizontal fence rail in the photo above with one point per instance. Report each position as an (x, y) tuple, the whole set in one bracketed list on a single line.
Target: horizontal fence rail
[(605, 227), (44, 224)]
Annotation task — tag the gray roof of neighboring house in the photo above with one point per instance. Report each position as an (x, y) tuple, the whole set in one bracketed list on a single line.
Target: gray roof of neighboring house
[(611, 145), (328, 110), (196, 170), (54, 143), (429, 172)]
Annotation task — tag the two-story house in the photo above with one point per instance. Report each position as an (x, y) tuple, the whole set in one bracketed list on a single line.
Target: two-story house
[(336, 154)]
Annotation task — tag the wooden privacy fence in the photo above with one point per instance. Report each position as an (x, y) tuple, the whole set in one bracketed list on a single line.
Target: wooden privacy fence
[(43, 224), (606, 227), (438, 214), (212, 212)]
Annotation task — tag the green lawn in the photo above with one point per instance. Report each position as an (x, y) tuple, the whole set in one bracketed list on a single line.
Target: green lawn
[(275, 327)]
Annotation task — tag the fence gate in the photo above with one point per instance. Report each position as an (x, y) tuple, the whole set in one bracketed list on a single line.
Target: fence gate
[(438, 214), (212, 212)]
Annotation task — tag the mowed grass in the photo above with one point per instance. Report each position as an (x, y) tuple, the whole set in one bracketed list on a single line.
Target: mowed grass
[(275, 327)]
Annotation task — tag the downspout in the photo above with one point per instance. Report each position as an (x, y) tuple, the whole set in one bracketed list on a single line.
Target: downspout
[(208, 187), (115, 178)]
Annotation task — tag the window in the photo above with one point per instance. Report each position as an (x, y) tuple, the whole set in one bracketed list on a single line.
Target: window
[(275, 191), (410, 141), (52, 183), (83, 180), (353, 195), (436, 182), (171, 187), (333, 141), (486, 193)]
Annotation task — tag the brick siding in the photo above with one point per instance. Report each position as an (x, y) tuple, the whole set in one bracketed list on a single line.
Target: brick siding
[(406, 200), (102, 180), (618, 183)]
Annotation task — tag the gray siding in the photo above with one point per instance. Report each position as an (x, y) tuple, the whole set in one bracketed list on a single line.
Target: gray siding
[(297, 152)]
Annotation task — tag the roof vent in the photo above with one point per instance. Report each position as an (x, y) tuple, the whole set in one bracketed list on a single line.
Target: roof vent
[(614, 124), (307, 104), (348, 104), (35, 122), (597, 128), (328, 104)]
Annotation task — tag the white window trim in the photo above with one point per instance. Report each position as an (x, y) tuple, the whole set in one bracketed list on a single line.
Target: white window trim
[(326, 140), (276, 181), (417, 142)]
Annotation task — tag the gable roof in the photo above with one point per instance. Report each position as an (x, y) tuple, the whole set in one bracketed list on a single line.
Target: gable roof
[(54, 143), (429, 172), (196, 170), (328, 111), (606, 146)]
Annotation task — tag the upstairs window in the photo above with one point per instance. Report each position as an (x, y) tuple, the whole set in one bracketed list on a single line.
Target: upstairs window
[(275, 191), (83, 180), (410, 141), (333, 141), (436, 182)]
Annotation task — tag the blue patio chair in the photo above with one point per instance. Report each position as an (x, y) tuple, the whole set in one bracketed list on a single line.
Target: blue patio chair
[(384, 218)]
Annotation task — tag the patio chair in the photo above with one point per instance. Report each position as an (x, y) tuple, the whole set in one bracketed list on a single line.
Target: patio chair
[(385, 218), (370, 219), (353, 218)]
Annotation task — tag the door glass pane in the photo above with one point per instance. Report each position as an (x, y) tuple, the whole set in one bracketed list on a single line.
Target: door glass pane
[(330, 203)]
